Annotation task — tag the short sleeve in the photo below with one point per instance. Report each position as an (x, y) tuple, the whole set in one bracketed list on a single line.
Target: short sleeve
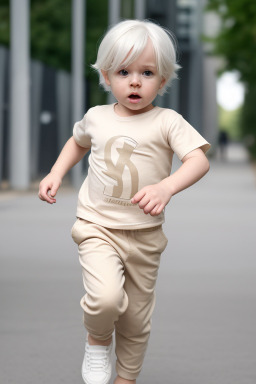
[(80, 135), (183, 138)]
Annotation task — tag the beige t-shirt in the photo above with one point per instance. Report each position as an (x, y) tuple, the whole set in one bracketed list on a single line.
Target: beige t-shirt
[(127, 154)]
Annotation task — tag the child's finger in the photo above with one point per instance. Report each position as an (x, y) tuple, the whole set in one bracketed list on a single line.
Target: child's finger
[(157, 210), (54, 190), (160, 209), (138, 196), (153, 210), (44, 194), (145, 201), (50, 196), (148, 208)]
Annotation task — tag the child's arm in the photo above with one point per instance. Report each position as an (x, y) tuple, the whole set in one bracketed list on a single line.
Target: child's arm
[(70, 155), (153, 198)]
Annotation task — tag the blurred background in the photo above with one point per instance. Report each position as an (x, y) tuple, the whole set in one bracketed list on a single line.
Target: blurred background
[(46, 49), (204, 323)]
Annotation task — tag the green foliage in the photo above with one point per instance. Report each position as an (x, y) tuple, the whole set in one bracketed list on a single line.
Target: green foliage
[(249, 120), (97, 23), (4, 22), (50, 31), (50, 35), (229, 121), (236, 42)]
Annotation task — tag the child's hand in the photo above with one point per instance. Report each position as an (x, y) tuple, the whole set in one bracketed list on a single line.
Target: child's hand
[(49, 187), (153, 198)]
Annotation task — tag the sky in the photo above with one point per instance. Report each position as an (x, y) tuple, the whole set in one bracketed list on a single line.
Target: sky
[(230, 92)]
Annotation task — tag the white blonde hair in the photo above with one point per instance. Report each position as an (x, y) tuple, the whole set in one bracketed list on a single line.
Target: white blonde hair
[(125, 42)]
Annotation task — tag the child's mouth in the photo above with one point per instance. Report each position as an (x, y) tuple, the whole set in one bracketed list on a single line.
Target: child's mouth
[(134, 97)]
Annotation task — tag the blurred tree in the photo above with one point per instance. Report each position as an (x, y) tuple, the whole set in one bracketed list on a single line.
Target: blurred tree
[(249, 119), (230, 122), (4, 22), (236, 42), (51, 31)]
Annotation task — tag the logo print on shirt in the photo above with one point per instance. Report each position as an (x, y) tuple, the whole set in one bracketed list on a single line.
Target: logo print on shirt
[(117, 156)]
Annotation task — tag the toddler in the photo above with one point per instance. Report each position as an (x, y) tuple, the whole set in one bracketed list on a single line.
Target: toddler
[(121, 203)]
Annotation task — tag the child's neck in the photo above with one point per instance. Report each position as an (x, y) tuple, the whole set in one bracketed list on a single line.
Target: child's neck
[(126, 112)]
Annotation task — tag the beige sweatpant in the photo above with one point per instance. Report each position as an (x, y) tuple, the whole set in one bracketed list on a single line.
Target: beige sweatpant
[(119, 273)]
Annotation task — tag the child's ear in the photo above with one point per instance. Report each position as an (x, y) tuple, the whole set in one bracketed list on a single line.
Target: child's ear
[(163, 82), (105, 75)]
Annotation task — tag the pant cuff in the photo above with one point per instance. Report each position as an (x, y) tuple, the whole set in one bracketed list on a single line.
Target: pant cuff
[(125, 374), (99, 337)]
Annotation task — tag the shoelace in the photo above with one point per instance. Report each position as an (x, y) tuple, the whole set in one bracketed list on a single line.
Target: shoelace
[(97, 360)]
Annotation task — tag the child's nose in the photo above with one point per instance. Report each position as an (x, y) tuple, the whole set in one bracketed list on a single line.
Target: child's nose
[(135, 81)]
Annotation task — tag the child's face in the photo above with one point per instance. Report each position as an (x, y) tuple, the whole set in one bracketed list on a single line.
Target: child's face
[(136, 86)]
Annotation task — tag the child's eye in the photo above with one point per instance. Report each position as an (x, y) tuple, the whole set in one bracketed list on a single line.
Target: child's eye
[(123, 72), (147, 73)]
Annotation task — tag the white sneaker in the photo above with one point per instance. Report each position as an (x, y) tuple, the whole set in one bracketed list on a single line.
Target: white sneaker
[(96, 367)]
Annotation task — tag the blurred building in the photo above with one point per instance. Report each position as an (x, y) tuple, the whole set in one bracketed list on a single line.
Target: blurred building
[(193, 95)]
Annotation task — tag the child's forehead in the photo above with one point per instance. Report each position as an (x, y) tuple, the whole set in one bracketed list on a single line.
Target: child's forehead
[(148, 53), (143, 55)]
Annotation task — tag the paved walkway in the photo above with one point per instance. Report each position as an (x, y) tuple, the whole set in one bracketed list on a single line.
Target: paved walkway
[(204, 323)]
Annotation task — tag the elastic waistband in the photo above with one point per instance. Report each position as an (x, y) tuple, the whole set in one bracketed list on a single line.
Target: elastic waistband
[(151, 229)]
